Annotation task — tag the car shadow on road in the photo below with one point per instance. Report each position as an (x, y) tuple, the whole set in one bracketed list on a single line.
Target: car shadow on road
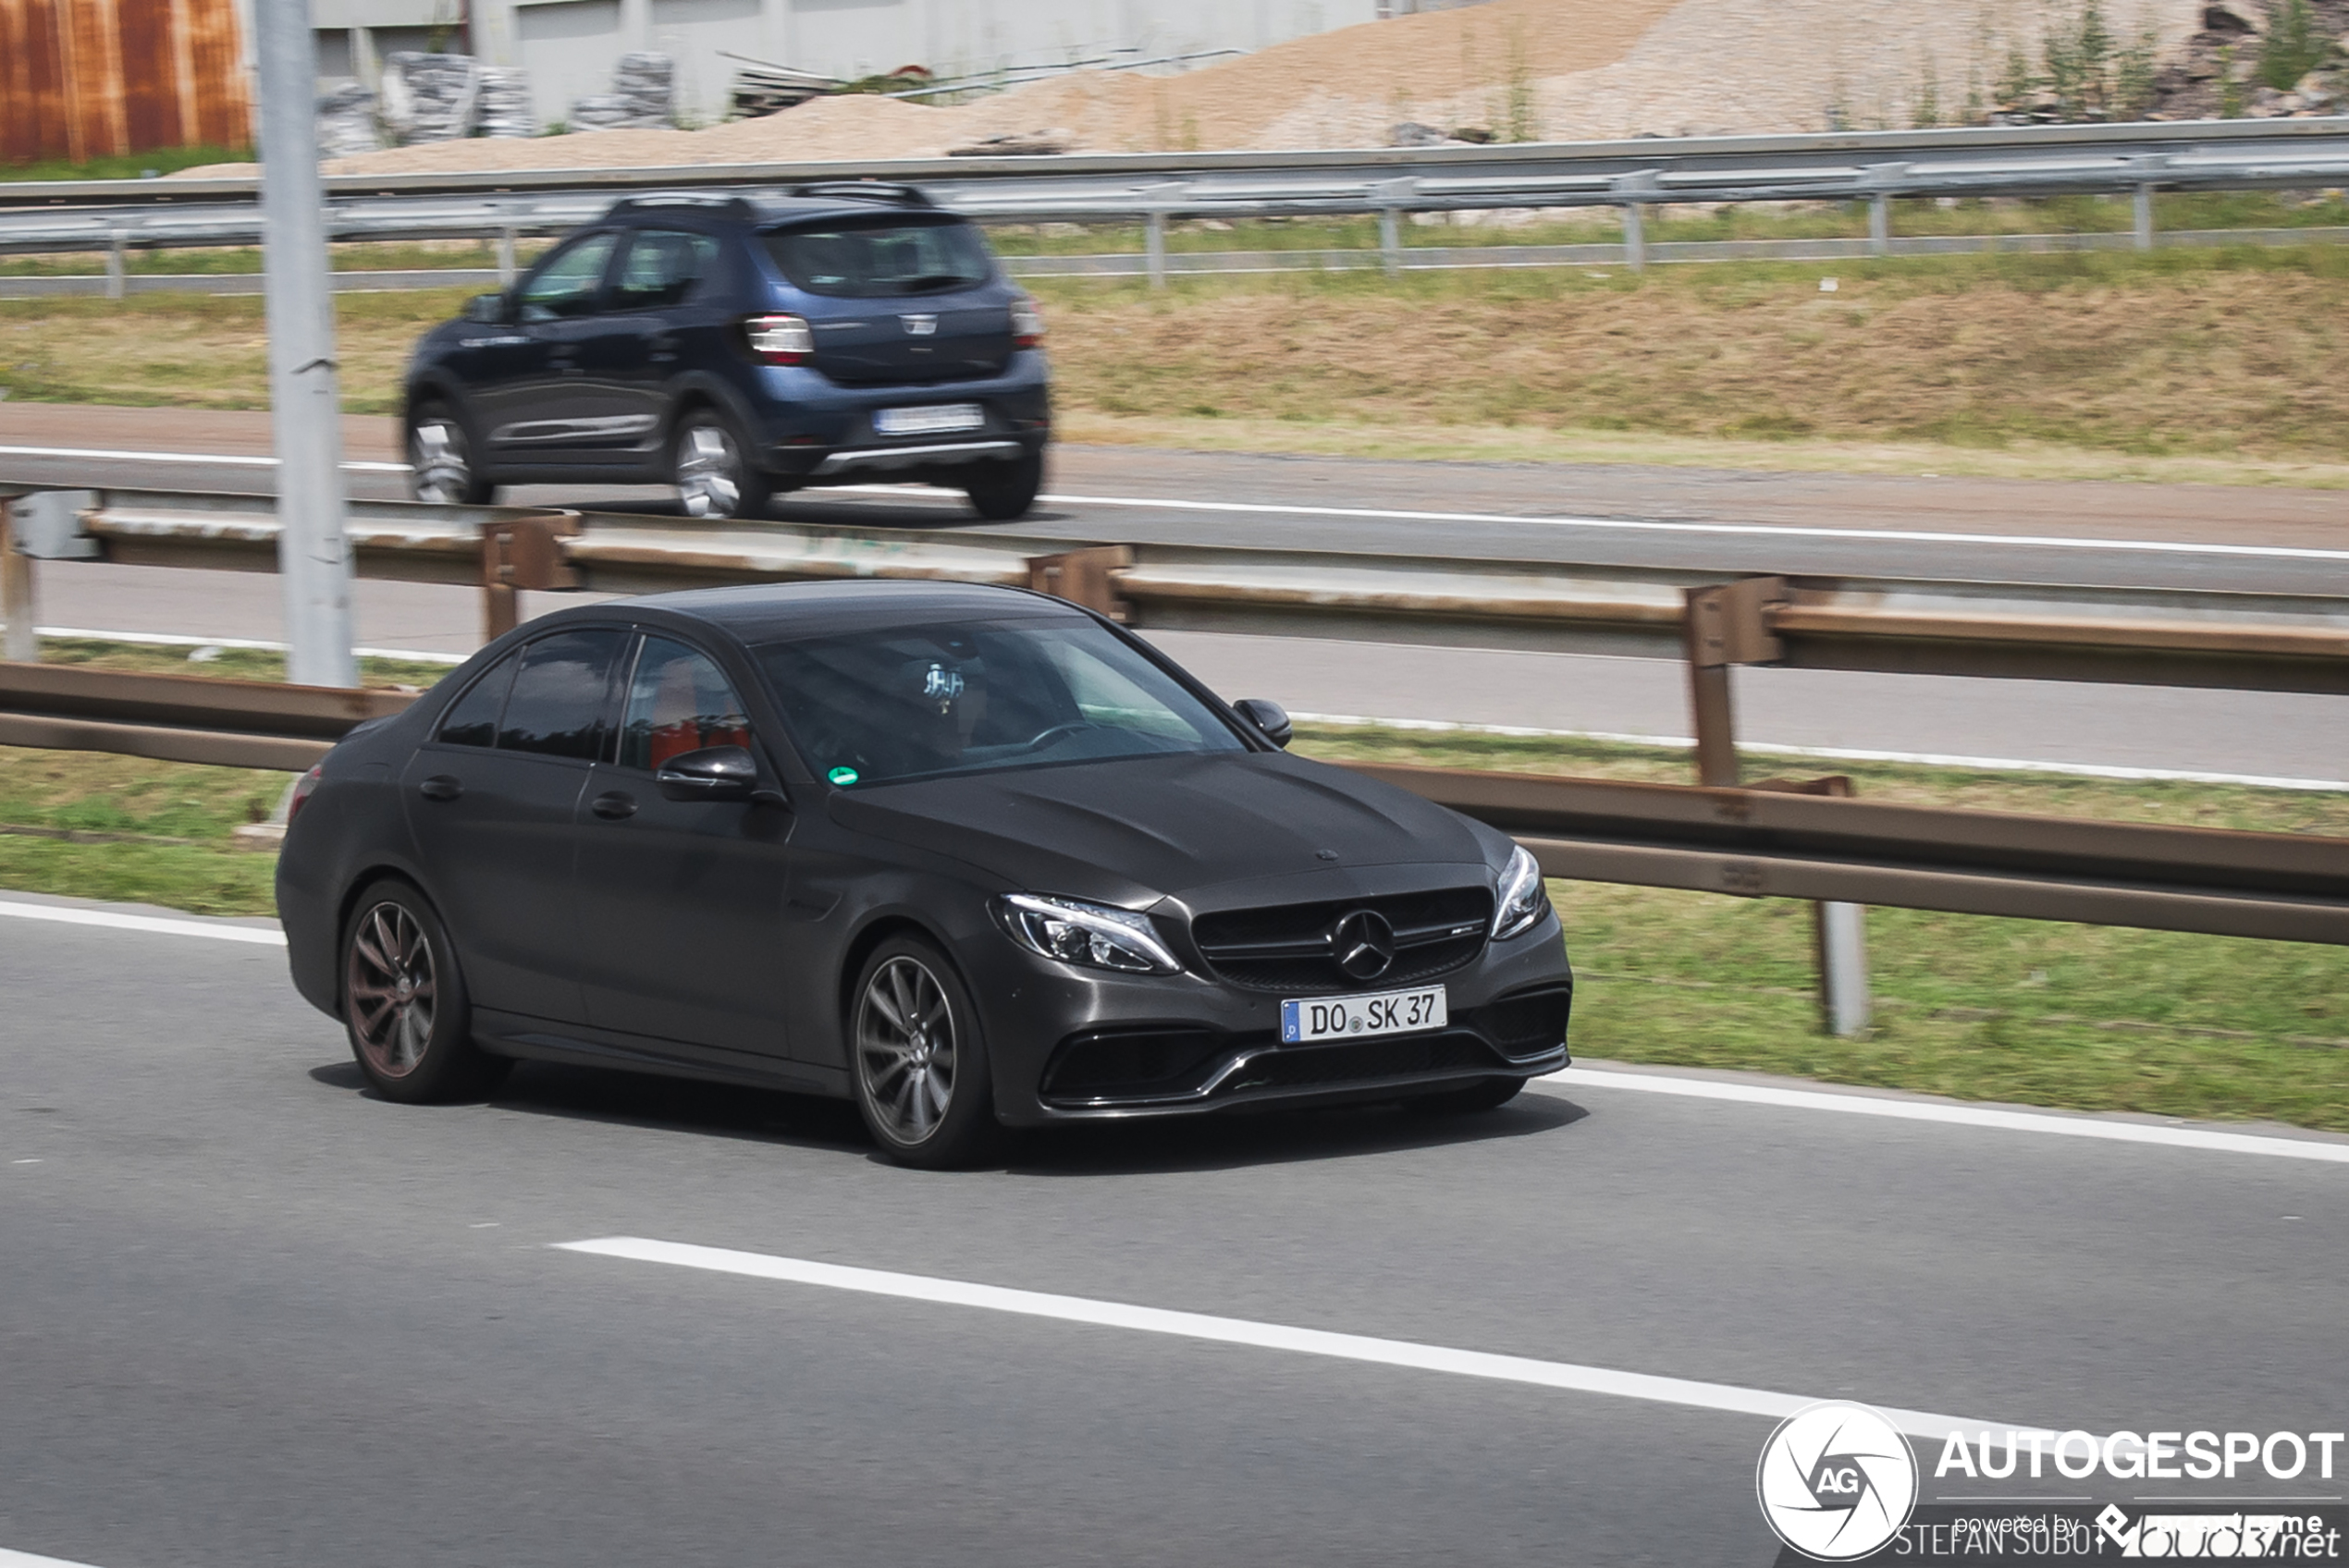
[(1191, 1143), (1273, 1137)]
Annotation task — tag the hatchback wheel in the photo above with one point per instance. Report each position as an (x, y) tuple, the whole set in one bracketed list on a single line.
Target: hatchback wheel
[(1002, 491), (919, 1067), (441, 461), (715, 476), (404, 1003)]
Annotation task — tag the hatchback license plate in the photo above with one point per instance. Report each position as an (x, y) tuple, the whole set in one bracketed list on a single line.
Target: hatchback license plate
[(1351, 1018), (938, 420)]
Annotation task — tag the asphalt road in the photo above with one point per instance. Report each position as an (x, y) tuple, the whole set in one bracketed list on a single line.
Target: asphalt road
[(253, 1316), (2098, 533)]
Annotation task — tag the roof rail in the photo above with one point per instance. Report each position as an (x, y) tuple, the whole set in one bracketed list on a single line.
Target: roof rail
[(865, 191), (733, 206)]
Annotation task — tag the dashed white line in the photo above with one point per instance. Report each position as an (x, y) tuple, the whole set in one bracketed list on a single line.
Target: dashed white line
[(1383, 514), (27, 1560), (218, 931), (2044, 1123), (1564, 1375)]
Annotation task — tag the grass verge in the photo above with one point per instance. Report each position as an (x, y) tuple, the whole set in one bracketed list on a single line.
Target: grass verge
[(2088, 1017), (2212, 366)]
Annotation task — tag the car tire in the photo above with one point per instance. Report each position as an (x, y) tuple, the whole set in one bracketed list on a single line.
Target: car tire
[(440, 459), (926, 1096), (711, 465), (1489, 1093), (1001, 491), (405, 1008)]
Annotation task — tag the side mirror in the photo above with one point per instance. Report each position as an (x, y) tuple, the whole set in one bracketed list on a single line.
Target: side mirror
[(486, 308), (1269, 717), (714, 773)]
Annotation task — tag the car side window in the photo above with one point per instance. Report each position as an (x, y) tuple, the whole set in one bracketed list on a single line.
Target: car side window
[(661, 268), (677, 703), (571, 283), (472, 719), (561, 698)]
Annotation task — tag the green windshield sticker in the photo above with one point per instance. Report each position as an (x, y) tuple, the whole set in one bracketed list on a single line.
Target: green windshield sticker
[(844, 776)]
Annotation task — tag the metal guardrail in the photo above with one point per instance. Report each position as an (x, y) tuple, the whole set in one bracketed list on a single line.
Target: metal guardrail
[(1874, 167), (1753, 843), (2137, 636)]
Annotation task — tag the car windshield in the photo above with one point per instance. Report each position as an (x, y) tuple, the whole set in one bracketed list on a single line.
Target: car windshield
[(884, 258), (915, 702)]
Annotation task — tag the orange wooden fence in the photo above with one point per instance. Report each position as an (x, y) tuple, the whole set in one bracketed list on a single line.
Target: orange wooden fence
[(81, 79)]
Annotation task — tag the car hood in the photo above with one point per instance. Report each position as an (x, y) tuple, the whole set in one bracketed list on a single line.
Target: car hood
[(1128, 831)]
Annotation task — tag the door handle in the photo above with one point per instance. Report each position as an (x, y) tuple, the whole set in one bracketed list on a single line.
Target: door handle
[(614, 806), (440, 786)]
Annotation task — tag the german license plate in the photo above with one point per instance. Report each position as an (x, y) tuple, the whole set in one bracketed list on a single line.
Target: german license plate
[(939, 419), (1355, 1018)]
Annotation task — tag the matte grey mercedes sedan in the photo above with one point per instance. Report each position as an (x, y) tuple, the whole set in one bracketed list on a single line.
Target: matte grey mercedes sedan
[(972, 857)]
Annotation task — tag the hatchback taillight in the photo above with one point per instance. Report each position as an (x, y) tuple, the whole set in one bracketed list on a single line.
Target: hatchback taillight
[(1028, 323), (780, 339), (304, 787)]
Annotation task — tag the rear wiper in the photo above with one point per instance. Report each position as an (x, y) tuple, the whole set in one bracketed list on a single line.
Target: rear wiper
[(933, 281)]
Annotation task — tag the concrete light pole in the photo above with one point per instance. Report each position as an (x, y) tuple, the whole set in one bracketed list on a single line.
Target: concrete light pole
[(305, 397)]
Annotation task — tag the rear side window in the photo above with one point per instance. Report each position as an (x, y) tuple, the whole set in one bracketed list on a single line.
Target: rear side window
[(571, 283), (882, 259), (662, 267), (678, 703), (472, 719), (562, 695)]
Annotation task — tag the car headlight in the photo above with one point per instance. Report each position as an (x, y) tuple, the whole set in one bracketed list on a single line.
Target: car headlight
[(1522, 899), (1093, 935)]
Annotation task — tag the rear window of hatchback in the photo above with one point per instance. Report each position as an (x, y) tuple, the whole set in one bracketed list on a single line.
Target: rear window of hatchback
[(881, 258)]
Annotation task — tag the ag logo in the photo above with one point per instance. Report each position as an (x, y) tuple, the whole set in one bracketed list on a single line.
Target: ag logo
[(1837, 1481)]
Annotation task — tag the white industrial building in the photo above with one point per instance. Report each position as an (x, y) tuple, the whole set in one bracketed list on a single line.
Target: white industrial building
[(571, 46)]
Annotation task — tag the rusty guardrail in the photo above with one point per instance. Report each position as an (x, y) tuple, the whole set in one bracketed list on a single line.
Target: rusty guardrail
[(1802, 842)]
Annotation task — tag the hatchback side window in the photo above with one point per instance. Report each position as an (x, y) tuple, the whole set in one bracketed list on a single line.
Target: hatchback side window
[(571, 283), (472, 719), (562, 695), (677, 703), (661, 268)]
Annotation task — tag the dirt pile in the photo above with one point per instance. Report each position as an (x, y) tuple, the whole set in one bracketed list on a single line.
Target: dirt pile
[(1517, 70)]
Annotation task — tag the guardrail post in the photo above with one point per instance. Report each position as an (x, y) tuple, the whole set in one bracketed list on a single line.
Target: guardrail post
[(517, 553), (1843, 967), (1724, 626), (1880, 207), (1084, 577), (1154, 247), (506, 269), (17, 592), (1635, 240), (2141, 196), (1390, 241), (114, 268)]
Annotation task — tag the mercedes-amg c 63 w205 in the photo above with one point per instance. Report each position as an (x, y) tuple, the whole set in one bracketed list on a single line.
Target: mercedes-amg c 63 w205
[(972, 857)]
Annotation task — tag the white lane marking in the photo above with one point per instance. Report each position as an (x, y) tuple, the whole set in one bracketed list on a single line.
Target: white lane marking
[(260, 644), (202, 459), (1381, 514), (27, 1560), (1843, 754), (2045, 1123), (1243, 1331), (63, 915)]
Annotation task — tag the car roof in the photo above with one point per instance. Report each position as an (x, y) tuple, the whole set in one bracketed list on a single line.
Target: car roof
[(763, 213), (767, 612)]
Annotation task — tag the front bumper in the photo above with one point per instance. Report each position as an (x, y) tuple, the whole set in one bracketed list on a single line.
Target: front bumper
[(1072, 1045)]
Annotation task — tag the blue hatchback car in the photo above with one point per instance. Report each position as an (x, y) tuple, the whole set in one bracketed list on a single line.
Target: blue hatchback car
[(738, 350)]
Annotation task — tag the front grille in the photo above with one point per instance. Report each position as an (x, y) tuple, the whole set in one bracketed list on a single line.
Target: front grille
[(1287, 948), (1362, 1061), (1526, 1024)]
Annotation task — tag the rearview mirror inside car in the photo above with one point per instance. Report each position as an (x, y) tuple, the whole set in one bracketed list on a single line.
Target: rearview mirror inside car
[(714, 773), (488, 308), (1267, 715)]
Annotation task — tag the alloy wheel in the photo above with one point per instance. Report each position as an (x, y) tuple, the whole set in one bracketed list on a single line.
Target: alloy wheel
[(392, 990), (906, 1049), (708, 472), (443, 469)]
